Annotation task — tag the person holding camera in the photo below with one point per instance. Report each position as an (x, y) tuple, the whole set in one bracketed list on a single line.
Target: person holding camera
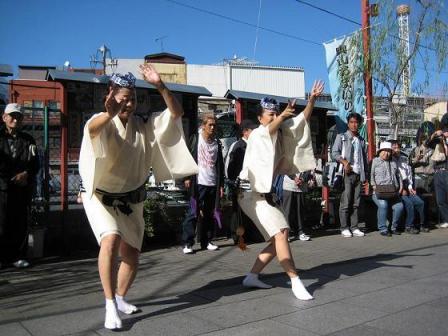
[(349, 149), (439, 142)]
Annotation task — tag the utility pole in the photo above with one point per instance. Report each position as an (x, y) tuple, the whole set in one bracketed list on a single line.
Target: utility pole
[(366, 11)]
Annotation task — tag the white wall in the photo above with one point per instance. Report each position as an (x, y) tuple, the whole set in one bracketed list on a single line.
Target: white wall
[(288, 82), (215, 78)]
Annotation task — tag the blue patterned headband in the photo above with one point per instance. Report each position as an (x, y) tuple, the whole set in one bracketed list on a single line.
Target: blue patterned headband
[(126, 81), (269, 104)]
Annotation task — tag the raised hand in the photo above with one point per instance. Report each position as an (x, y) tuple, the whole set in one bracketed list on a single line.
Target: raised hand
[(112, 105), (150, 74), (290, 109), (317, 89)]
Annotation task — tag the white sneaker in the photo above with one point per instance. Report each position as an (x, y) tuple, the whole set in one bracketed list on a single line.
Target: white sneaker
[(21, 264), (358, 233), (251, 281), (187, 250), (346, 233), (443, 226), (212, 247), (304, 237)]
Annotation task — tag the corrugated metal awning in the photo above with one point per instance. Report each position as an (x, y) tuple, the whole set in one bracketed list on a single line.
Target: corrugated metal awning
[(6, 70), (104, 79), (235, 94)]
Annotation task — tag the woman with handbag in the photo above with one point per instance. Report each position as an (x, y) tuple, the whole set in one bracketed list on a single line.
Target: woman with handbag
[(387, 186)]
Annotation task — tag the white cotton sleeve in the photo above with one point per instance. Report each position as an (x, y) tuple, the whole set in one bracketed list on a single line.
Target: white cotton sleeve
[(298, 144), (171, 158)]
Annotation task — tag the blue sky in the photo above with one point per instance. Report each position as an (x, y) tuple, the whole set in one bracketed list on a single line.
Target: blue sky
[(49, 32)]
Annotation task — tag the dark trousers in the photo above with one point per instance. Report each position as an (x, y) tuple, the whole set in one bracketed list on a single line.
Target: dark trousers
[(293, 205), (13, 224), (206, 204), (350, 198), (441, 188)]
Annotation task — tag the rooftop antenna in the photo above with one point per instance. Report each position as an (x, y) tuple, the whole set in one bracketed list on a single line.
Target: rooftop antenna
[(104, 58), (160, 39)]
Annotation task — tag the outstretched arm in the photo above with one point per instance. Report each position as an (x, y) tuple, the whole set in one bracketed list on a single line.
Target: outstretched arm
[(152, 76), (316, 91), (287, 113)]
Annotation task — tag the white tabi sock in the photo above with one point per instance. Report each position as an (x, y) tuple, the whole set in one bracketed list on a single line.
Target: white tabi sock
[(125, 307), (112, 320), (251, 280), (299, 289)]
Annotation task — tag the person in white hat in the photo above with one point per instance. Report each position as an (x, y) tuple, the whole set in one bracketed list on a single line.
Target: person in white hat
[(385, 172), (18, 168)]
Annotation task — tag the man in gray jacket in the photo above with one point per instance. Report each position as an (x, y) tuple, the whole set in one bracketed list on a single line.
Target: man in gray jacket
[(349, 149)]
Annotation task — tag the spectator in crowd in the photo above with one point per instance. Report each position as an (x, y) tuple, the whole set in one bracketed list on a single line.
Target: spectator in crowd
[(421, 164), (118, 148), (349, 149), (412, 202), (438, 142), (293, 202), (206, 188), (18, 168), (233, 165), (235, 156), (280, 145), (385, 172)]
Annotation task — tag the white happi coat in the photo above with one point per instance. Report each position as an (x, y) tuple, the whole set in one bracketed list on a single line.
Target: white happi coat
[(118, 160), (288, 151)]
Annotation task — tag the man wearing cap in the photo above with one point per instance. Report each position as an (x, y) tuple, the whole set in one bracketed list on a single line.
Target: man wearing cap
[(385, 172), (18, 168), (438, 142), (349, 149)]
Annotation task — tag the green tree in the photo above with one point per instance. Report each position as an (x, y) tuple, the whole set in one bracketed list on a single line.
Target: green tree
[(426, 53)]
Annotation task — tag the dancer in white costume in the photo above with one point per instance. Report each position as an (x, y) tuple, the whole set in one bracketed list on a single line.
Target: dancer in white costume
[(118, 149), (280, 145)]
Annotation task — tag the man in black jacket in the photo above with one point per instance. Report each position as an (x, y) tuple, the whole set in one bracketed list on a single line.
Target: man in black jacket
[(235, 156), (18, 168), (206, 189)]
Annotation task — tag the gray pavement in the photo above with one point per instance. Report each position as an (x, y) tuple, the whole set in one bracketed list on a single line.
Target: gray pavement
[(362, 286)]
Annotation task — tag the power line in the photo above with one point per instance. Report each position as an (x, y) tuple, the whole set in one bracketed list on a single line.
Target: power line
[(328, 12), (243, 22)]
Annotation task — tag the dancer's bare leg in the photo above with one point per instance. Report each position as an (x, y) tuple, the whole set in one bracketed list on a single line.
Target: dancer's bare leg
[(283, 252), (286, 260), (107, 266), (264, 258), (126, 275)]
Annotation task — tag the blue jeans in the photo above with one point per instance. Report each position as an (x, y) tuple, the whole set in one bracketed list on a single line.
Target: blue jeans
[(383, 207), (413, 203)]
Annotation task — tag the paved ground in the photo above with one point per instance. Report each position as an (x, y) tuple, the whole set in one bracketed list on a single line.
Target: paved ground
[(363, 286)]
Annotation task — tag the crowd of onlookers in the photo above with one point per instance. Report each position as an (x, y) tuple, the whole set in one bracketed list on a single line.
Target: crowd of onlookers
[(398, 182)]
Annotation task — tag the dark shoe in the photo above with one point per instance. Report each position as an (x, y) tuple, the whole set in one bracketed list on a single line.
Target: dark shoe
[(395, 232), (424, 229), (385, 234), (411, 230)]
